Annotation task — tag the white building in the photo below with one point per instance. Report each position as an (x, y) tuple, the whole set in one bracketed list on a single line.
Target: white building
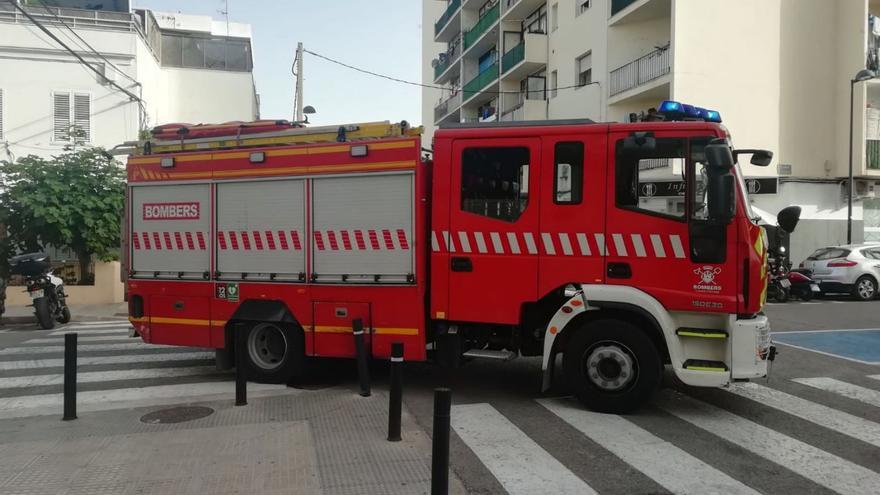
[(178, 68), (779, 72)]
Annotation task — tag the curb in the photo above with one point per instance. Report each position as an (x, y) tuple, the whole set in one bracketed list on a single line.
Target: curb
[(6, 320)]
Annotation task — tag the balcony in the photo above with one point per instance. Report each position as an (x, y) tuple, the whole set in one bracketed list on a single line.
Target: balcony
[(446, 65), (639, 72), (447, 107), (525, 109), (626, 11), (489, 19), (527, 57), (517, 10), (449, 23), (618, 5), (480, 82), (872, 154)]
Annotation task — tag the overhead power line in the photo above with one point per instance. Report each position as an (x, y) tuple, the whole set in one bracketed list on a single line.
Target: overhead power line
[(72, 52), (86, 43), (434, 86)]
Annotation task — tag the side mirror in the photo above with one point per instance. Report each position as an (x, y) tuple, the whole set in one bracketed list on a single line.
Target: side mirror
[(788, 218), (760, 158), (718, 155), (721, 197)]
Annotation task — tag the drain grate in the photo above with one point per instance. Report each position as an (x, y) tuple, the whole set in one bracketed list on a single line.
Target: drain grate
[(176, 415)]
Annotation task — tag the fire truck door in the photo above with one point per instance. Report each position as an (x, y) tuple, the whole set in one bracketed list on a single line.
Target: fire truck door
[(657, 197), (492, 241), (573, 190)]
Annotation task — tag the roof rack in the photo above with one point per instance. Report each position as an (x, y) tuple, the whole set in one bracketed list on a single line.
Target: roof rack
[(517, 123), (288, 135)]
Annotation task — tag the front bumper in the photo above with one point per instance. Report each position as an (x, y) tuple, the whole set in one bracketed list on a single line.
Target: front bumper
[(750, 349)]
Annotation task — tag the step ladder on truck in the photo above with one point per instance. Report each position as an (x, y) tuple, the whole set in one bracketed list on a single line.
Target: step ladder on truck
[(515, 239)]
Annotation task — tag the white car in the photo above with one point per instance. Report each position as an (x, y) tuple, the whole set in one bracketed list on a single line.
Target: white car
[(850, 269)]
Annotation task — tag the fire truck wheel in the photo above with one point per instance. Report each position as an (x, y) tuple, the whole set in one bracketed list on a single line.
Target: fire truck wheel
[(612, 366), (274, 353)]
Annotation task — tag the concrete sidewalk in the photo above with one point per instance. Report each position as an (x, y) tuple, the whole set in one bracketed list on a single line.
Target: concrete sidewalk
[(81, 312), (329, 441)]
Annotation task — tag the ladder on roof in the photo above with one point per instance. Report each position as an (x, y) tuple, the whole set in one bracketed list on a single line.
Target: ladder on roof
[(285, 137)]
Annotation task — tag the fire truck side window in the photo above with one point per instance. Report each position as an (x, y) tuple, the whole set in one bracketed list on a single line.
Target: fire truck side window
[(569, 173), (651, 180), (495, 182)]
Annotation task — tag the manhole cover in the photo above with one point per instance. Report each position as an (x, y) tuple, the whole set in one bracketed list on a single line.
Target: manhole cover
[(176, 415)]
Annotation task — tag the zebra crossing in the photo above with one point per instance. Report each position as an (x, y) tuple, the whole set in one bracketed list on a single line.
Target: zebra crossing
[(743, 444), (114, 371)]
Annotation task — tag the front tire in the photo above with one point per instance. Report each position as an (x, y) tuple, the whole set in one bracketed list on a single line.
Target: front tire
[(65, 315), (865, 288), (612, 366), (782, 295), (43, 310), (273, 352)]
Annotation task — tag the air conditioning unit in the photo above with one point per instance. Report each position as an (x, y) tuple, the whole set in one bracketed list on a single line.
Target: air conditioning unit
[(867, 189)]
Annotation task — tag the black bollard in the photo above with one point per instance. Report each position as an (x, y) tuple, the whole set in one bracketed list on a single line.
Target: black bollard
[(395, 397), (440, 446), (240, 369), (69, 376), (361, 352)]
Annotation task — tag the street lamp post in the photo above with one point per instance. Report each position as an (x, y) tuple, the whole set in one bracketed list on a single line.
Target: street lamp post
[(863, 75)]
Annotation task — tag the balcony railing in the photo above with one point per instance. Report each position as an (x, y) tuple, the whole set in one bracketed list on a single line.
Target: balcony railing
[(872, 151), (446, 106), (639, 72), (618, 5), (447, 59), (444, 19), (482, 26), (481, 81), (514, 56)]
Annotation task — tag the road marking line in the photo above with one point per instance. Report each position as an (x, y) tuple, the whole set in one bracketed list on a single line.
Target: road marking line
[(810, 462), (98, 324), (827, 417), (669, 466), (79, 338), (106, 376), (829, 331), (87, 361), (520, 465), (838, 356), (101, 400), (48, 349), (120, 330), (862, 394)]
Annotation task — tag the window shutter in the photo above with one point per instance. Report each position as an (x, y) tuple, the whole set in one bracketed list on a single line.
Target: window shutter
[(61, 117), (82, 116), (1, 114)]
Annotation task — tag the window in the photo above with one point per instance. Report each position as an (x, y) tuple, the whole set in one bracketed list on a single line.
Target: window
[(72, 115), (583, 6), (495, 182), (554, 81), (536, 22), (584, 69), (1, 114), (196, 52), (554, 17), (699, 198), (829, 254), (569, 173), (640, 185)]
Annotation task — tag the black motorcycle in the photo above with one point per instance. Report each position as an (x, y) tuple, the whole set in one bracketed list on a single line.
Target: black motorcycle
[(46, 290)]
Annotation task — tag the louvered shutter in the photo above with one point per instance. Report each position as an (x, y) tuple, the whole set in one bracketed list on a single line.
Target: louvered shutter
[(82, 116), (61, 117)]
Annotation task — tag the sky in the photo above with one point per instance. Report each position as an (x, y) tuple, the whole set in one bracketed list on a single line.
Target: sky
[(382, 36)]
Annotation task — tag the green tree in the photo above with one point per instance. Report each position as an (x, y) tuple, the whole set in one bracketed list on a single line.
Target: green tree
[(74, 200)]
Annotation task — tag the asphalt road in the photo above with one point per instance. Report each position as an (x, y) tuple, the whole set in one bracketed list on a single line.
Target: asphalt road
[(813, 427)]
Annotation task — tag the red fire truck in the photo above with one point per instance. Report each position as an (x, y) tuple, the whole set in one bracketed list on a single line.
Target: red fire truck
[(516, 239)]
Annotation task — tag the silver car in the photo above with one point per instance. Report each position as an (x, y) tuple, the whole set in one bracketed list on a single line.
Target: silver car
[(850, 269)]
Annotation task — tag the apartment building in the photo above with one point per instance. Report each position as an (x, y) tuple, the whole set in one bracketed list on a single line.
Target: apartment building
[(778, 71), (149, 68)]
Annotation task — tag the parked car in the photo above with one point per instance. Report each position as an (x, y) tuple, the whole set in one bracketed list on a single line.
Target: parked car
[(849, 269)]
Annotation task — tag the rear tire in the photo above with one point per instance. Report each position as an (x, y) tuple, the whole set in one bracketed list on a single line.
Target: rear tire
[(612, 366), (44, 313), (274, 352), (807, 295), (865, 288), (782, 295)]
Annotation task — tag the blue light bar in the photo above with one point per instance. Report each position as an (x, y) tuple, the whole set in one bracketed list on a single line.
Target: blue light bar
[(712, 116), (670, 107), (691, 111)]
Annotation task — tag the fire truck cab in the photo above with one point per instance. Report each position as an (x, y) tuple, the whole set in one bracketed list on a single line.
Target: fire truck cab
[(517, 239)]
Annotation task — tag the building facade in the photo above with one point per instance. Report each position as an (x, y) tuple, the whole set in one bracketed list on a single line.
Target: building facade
[(147, 68), (778, 71)]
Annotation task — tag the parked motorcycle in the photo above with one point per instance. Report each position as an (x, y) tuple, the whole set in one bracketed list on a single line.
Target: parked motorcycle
[(779, 283), (46, 290), (802, 286)]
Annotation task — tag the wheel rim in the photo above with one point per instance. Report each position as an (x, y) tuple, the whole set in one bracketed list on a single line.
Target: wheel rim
[(610, 366), (866, 289), (267, 346)]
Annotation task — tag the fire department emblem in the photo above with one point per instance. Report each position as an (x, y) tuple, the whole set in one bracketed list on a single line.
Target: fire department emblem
[(707, 274)]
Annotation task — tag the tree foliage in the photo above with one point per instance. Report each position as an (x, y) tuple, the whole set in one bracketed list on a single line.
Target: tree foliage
[(74, 200)]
